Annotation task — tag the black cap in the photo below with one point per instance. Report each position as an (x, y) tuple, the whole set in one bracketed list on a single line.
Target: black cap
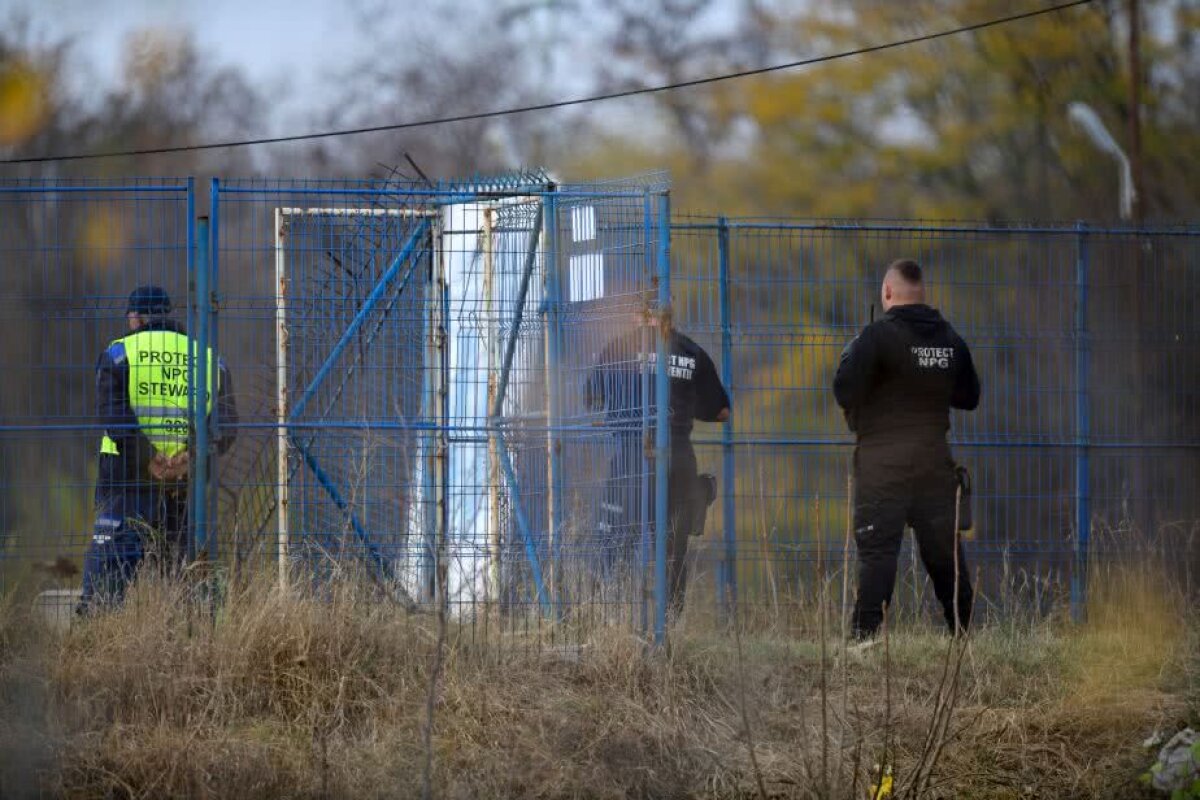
[(149, 301)]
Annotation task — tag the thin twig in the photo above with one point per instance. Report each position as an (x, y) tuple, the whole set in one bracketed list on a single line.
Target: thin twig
[(846, 619), (947, 679), (958, 626), (958, 648), (846, 557), (887, 696), (431, 697), (743, 708), (856, 764), (947, 714), (948, 685), (928, 745), (823, 635), (767, 554)]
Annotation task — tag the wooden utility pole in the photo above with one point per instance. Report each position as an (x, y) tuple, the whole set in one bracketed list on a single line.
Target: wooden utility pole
[(1142, 423), (1135, 112)]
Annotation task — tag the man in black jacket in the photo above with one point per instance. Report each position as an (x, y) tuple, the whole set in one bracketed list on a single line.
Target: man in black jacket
[(897, 382), (616, 386), (143, 380)]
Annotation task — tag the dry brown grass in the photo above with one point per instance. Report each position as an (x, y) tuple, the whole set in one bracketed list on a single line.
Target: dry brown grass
[(302, 696)]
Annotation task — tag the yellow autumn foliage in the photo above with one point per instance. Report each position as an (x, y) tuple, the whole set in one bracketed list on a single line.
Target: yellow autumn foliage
[(23, 103)]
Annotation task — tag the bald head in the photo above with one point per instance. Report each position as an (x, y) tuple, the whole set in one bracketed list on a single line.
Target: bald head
[(902, 284)]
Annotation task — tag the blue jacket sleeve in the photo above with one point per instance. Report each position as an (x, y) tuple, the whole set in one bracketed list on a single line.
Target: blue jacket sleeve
[(113, 410)]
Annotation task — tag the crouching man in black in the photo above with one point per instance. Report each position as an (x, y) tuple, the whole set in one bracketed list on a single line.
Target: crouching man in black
[(897, 381)]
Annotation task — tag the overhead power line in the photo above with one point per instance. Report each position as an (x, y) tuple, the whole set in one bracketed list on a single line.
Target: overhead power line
[(576, 101)]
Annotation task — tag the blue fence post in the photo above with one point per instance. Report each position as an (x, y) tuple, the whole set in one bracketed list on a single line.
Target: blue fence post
[(645, 542), (662, 407), (192, 328), (411, 250), (445, 338), (510, 350), (729, 564), (1083, 514), (523, 527), (214, 343), (431, 383), (198, 397), (554, 303)]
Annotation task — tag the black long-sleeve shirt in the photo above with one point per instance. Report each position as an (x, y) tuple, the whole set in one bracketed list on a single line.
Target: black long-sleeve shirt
[(615, 384), (899, 378), (116, 414)]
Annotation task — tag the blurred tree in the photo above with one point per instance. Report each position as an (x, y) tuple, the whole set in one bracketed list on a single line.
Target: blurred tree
[(32, 94), (700, 134), (968, 126), (23, 104), (67, 263), (434, 61), (672, 41), (172, 93), (169, 93), (973, 125)]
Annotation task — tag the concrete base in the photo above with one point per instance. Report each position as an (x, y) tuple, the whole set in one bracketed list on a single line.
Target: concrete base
[(57, 606)]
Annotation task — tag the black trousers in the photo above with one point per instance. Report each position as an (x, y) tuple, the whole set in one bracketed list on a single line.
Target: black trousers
[(683, 509), (913, 483), (620, 522)]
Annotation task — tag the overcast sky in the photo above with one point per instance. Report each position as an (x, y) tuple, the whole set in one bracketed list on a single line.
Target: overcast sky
[(293, 51), (292, 43)]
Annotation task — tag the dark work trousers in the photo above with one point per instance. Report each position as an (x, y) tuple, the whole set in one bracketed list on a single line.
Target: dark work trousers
[(621, 518), (684, 506), (898, 483), (133, 519), (620, 506)]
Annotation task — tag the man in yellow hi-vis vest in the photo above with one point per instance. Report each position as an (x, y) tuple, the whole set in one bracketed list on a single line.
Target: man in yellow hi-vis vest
[(142, 388)]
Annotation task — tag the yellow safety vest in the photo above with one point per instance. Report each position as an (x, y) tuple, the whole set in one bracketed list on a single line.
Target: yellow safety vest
[(159, 362)]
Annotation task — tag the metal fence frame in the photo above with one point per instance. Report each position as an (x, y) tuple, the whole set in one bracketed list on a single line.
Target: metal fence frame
[(668, 242), (545, 258), (1079, 438)]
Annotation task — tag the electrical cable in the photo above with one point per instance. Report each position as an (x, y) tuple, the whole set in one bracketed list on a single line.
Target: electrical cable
[(577, 101)]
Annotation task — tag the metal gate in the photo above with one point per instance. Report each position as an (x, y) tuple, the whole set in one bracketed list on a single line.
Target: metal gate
[(411, 362), (430, 347)]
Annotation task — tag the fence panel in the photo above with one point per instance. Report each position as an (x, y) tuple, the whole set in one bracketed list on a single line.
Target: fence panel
[(417, 362), (71, 252), (454, 390), (1084, 436)]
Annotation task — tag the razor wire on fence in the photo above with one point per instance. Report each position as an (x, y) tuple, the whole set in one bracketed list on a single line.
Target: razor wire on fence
[(430, 345), (411, 364)]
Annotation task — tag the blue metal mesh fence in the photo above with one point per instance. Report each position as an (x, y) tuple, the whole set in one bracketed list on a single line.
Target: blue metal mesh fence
[(70, 254), (1087, 422), (413, 364), (429, 348)]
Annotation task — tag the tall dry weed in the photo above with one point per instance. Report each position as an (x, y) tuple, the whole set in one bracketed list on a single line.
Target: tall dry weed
[(324, 692)]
